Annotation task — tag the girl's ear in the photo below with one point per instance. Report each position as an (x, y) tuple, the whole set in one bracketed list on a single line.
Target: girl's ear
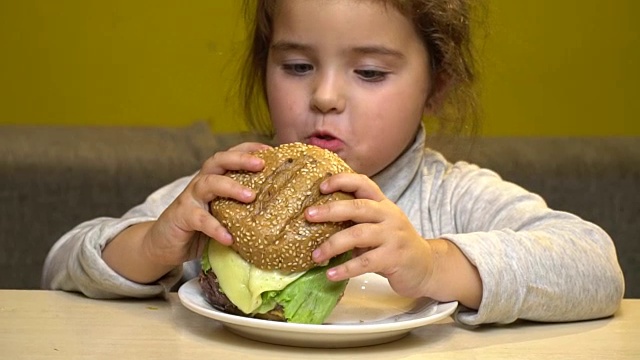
[(438, 94)]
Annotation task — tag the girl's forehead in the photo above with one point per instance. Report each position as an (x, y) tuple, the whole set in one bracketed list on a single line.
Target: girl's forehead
[(345, 27), (329, 15), (343, 23), (397, 5)]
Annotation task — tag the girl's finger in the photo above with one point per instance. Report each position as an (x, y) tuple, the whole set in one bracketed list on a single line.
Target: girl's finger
[(361, 236), (370, 261), (356, 210), (361, 186), (208, 187), (201, 220), (223, 161), (250, 146)]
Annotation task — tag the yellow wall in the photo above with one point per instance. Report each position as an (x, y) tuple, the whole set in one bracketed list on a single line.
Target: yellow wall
[(142, 62), (552, 67), (562, 67)]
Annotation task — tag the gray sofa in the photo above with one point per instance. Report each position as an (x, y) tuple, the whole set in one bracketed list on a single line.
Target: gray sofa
[(53, 178)]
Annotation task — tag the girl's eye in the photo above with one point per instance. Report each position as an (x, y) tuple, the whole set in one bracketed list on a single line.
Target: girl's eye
[(297, 69), (371, 75)]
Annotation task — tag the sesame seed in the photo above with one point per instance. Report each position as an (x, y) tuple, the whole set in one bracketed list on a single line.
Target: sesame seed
[(271, 232)]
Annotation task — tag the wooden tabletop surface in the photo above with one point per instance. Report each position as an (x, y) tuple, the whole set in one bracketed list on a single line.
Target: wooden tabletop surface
[(57, 325)]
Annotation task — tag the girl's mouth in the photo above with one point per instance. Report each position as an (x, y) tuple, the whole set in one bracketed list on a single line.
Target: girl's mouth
[(326, 141)]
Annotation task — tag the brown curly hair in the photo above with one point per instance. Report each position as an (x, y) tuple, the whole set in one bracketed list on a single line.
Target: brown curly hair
[(444, 27)]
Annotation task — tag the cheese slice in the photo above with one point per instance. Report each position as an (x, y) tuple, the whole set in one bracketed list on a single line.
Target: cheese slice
[(242, 282)]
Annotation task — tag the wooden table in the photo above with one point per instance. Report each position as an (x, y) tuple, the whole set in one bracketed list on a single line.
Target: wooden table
[(59, 325)]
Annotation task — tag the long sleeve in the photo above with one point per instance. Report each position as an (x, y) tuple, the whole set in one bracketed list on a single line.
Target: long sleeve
[(535, 263), (75, 262)]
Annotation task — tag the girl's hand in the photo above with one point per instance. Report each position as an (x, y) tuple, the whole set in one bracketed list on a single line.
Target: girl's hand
[(384, 241), (182, 230), (145, 252)]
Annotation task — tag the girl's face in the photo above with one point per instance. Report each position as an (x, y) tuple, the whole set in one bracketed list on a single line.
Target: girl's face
[(351, 76)]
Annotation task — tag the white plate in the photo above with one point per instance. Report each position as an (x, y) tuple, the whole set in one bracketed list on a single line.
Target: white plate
[(369, 313)]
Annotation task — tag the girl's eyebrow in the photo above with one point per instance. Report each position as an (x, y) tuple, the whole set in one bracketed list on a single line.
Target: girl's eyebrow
[(289, 46), (378, 50), (363, 50)]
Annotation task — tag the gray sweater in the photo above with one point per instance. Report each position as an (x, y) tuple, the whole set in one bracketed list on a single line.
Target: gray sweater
[(535, 263)]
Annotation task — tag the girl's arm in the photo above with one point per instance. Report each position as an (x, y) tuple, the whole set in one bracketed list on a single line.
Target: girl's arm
[(75, 261), (454, 276), (127, 256), (535, 263)]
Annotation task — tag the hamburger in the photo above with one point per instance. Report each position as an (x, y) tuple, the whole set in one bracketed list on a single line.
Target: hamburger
[(268, 272)]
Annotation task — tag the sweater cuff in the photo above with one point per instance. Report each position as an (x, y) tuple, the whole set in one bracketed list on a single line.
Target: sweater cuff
[(500, 297), (97, 280)]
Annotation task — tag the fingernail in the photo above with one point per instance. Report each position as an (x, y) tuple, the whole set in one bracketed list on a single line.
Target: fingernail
[(227, 236), (316, 254), (323, 186), (312, 211), (247, 193), (331, 273)]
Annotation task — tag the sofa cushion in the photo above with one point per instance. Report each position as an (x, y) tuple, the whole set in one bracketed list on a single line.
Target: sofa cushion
[(54, 178)]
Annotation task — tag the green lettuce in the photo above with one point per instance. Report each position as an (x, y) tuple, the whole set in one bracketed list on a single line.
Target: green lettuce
[(311, 298), (204, 260)]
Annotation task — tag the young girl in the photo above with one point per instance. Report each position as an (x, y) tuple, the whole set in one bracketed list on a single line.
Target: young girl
[(357, 77)]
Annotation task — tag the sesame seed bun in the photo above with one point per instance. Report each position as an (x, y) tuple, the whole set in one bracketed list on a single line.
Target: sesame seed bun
[(271, 232)]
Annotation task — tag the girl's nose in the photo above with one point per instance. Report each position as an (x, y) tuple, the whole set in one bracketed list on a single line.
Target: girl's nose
[(328, 95)]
